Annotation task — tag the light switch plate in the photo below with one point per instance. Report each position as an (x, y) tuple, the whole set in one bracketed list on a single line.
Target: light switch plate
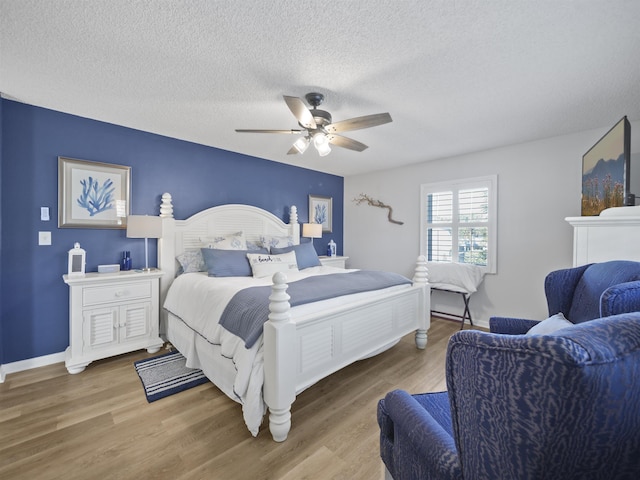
[(44, 214), (44, 238)]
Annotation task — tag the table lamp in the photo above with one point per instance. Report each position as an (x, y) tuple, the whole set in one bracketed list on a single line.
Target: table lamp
[(144, 226), (312, 230)]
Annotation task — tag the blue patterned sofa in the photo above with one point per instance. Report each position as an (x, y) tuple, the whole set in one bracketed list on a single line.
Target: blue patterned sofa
[(584, 293), (560, 407)]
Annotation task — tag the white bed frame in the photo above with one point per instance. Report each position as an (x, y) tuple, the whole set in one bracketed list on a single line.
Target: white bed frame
[(297, 355)]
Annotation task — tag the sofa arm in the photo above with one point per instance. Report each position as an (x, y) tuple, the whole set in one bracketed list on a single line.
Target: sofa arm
[(620, 298), (418, 445), (510, 326)]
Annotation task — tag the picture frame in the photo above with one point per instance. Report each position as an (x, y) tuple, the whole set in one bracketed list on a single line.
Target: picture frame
[(93, 194), (321, 211), (605, 171)]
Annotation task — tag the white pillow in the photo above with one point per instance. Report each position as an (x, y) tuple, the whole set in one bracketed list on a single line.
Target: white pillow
[(269, 241), (232, 241), (550, 325), (263, 265), (191, 261)]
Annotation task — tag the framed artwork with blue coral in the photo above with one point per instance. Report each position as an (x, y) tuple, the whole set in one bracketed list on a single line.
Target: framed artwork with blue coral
[(321, 211), (92, 194)]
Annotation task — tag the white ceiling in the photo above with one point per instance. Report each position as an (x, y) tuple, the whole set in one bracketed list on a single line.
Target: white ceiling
[(457, 76)]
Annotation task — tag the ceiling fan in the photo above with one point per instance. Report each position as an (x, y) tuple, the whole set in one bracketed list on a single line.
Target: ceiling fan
[(318, 126)]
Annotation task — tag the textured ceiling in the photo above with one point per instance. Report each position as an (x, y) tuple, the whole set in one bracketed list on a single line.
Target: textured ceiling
[(456, 76)]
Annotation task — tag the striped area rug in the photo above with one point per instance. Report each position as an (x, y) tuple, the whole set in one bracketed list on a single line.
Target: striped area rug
[(167, 374)]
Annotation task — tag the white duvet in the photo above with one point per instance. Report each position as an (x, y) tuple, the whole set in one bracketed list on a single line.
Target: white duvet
[(199, 300)]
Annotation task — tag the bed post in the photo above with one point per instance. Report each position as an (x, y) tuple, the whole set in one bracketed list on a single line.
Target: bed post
[(421, 277), (166, 256), (294, 226), (279, 360)]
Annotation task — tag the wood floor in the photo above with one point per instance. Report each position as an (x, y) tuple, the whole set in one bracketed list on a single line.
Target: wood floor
[(98, 424)]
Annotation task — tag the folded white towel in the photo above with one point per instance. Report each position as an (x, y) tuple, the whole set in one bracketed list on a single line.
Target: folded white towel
[(460, 277)]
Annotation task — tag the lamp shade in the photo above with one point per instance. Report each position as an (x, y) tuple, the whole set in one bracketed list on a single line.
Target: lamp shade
[(320, 140), (312, 230), (144, 226), (324, 150)]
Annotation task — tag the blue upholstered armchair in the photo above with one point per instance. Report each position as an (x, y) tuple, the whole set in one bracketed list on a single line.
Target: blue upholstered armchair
[(584, 293), (559, 407)]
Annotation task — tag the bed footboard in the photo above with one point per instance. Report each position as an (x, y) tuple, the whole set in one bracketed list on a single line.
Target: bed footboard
[(297, 355)]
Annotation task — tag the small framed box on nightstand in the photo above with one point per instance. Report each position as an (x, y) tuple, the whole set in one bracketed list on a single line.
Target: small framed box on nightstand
[(111, 314), (337, 261)]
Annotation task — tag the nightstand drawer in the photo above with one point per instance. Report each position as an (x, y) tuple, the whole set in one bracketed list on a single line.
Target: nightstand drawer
[(115, 293)]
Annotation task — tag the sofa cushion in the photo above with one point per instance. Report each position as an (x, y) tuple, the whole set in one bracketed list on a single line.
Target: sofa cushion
[(550, 325)]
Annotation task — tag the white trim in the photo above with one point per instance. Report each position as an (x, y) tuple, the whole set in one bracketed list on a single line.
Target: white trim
[(30, 363)]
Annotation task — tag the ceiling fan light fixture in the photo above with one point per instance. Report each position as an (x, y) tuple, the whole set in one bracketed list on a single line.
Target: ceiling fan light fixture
[(320, 139), (318, 125), (324, 149), (301, 144)]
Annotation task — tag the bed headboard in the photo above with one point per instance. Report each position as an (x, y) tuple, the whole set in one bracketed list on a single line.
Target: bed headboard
[(179, 236)]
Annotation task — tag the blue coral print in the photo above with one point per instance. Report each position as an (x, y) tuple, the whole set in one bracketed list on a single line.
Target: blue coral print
[(320, 215), (95, 198)]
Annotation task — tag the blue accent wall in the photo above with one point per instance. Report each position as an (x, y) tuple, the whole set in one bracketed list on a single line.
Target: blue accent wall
[(34, 299)]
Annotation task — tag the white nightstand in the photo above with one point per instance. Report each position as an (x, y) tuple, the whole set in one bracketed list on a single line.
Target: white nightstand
[(337, 261), (111, 314)]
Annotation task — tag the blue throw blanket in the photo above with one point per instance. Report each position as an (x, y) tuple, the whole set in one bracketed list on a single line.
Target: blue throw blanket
[(247, 311)]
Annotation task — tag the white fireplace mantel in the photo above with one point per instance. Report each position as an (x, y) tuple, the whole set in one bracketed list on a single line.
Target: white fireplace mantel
[(612, 235)]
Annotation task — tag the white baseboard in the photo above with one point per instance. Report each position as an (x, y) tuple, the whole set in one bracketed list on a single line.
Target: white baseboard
[(30, 363), (483, 322), (60, 357)]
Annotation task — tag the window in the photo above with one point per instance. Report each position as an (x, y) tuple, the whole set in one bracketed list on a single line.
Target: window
[(459, 221)]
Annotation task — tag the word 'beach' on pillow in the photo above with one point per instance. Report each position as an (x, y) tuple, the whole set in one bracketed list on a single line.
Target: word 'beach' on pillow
[(265, 265), (306, 255)]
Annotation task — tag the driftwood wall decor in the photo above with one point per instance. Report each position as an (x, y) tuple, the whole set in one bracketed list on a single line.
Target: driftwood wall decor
[(376, 203)]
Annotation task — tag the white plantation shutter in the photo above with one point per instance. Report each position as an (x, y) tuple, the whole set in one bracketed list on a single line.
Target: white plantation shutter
[(459, 222)]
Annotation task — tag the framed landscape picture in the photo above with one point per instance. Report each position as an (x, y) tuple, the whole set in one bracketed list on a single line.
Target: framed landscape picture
[(92, 194), (605, 171), (321, 211)]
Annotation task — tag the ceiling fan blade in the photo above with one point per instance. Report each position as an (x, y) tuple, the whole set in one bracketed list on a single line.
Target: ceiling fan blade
[(293, 132), (300, 111), (359, 122), (345, 142)]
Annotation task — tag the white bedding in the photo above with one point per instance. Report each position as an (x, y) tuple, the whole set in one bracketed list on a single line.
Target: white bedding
[(199, 300)]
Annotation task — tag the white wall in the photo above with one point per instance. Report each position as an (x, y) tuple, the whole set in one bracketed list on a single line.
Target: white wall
[(539, 184)]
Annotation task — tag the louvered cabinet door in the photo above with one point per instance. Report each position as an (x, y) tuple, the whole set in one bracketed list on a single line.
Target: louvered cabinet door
[(100, 329), (112, 314), (134, 321)]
